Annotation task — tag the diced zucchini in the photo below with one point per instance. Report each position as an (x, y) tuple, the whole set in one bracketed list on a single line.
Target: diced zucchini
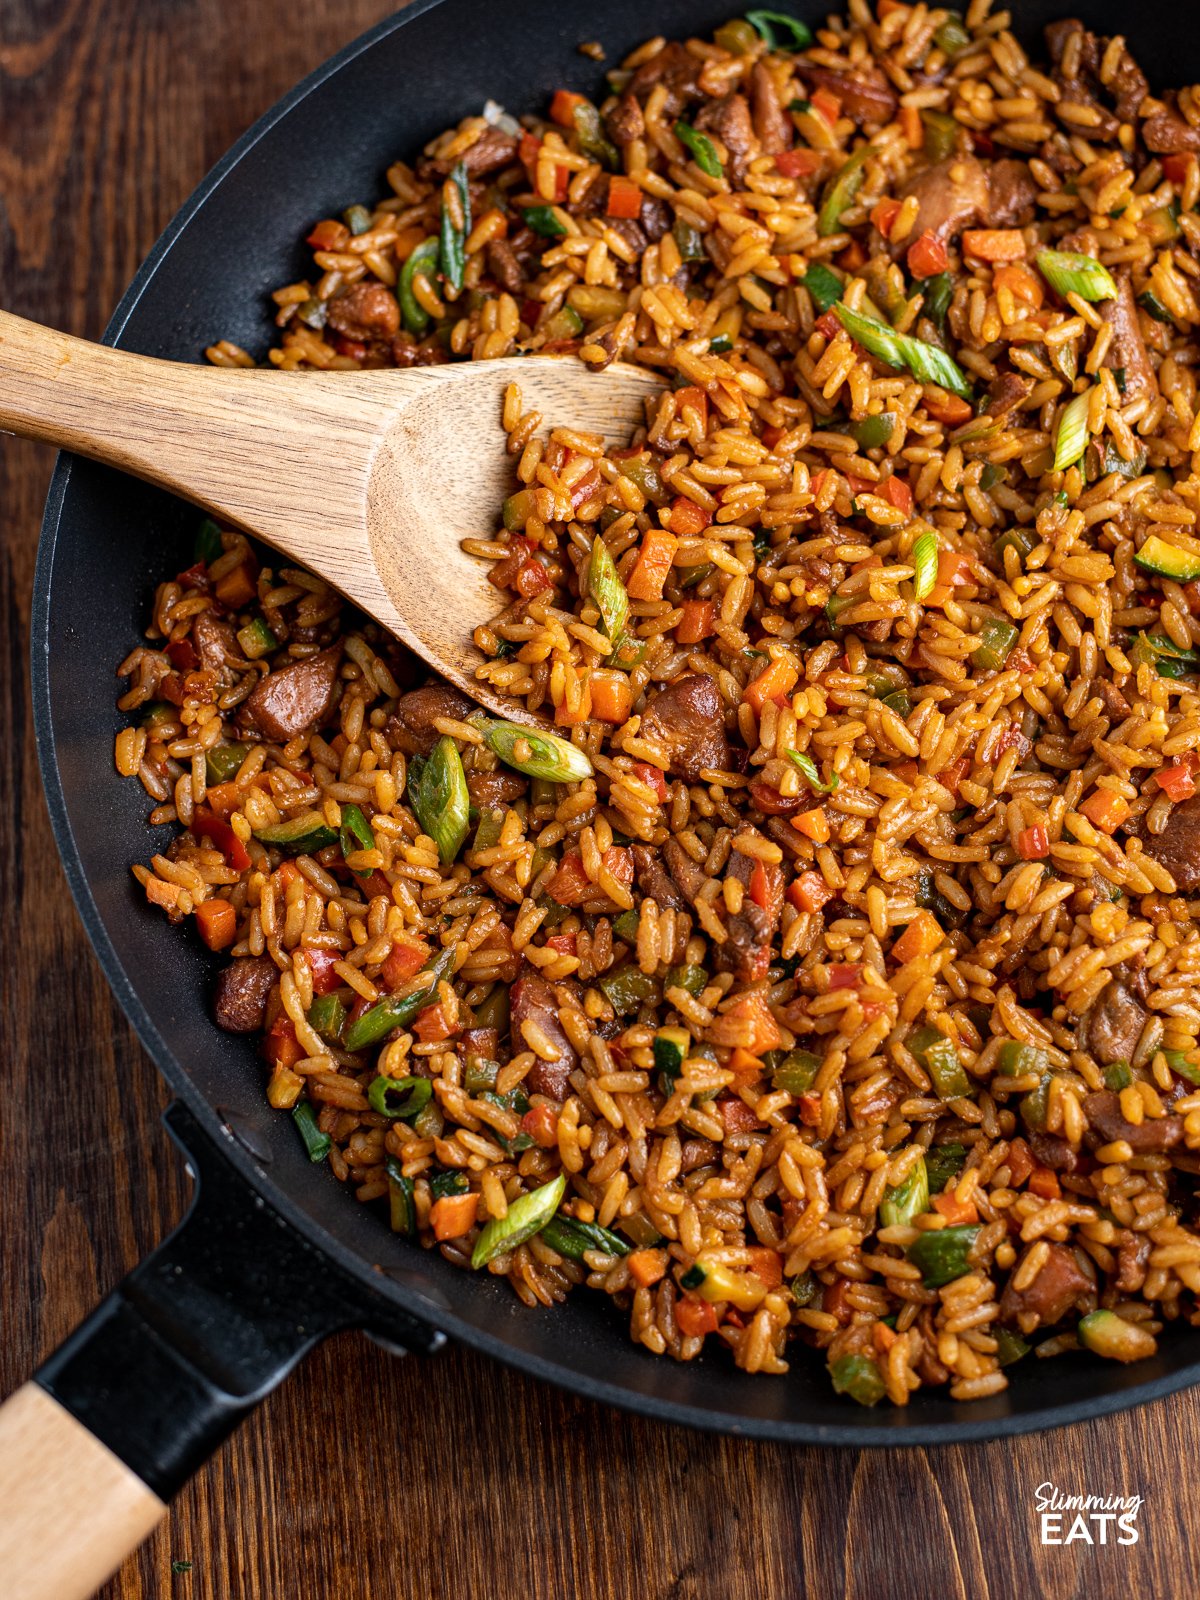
[(721, 1283), (858, 1377), (303, 835), (941, 1254), (797, 1071), (943, 1162), (671, 1046), (1168, 560), (256, 640), (1106, 1334), (1117, 1076), (1015, 1060)]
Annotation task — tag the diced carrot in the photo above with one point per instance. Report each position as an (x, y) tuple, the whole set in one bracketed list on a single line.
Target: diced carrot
[(766, 1266), (453, 1215), (760, 888), (775, 682), (845, 975), (764, 1031), (280, 1045), (321, 964), (921, 937), (882, 1337), (618, 861), (809, 892), (624, 199), (883, 214), (1175, 167), (1033, 843), (954, 568), (696, 624), (994, 244), (1106, 808), (1022, 284), (827, 106), (897, 493), (809, 1106), (527, 150), (612, 696), (237, 588), (647, 1267), (948, 409), (906, 771), (407, 240), (852, 257), (655, 558), (577, 708), (1044, 1182), (217, 922), (653, 777), (563, 107), (1020, 1162), (541, 1124), (911, 125), (746, 1068), (687, 518), (1177, 782), (432, 1025), (737, 1116), (223, 799), (695, 1317), (403, 961), (377, 884), (813, 825), (955, 1211), (329, 235), (798, 163), (694, 399), (927, 255)]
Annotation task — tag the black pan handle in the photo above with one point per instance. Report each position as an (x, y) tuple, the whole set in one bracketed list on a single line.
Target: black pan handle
[(166, 1367)]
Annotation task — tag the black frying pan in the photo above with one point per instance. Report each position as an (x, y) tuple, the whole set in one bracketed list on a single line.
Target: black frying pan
[(275, 1255)]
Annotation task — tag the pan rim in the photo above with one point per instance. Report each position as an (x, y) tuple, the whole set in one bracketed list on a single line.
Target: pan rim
[(861, 1434)]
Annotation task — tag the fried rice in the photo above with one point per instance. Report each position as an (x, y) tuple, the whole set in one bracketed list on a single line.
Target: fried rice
[(829, 977)]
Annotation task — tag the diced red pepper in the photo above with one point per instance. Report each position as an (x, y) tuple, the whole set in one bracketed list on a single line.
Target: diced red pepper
[(736, 1115), (896, 492), (798, 163), (809, 893), (541, 1124), (432, 1025), (280, 1045), (835, 1301), (883, 214), (196, 577), (810, 1110), (532, 578), (321, 964), (951, 776), (1175, 167), (403, 961), (845, 976), (687, 518), (329, 235), (927, 255), (1033, 843), (771, 803), (828, 106), (1020, 1162), (695, 1317), (183, 655), (1177, 782), (562, 182), (564, 943), (653, 777), (206, 825), (827, 324), (624, 199)]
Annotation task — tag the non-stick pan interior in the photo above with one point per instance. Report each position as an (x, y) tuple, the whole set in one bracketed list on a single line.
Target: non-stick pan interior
[(108, 540)]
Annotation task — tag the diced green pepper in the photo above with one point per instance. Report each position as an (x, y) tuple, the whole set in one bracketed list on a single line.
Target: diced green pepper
[(941, 135), (942, 1254), (224, 761), (952, 38), (1010, 1346), (1015, 1060), (996, 639), (302, 835), (824, 285), (691, 979), (843, 191), (797, 1072), (317, 1144), (689, 242), (872, 433), (208, 542), (1117, 1076), (402, 1210), (628, 988), (943, 1162), (544, 220), (858, 1377), (701, 149), (355, 834), (327, 1016), (399, 1098), (940, 1060)]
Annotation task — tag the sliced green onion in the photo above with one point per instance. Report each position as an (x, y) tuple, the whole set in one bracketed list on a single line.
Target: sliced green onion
[(1010, 1346), (823, 285), (938, 1056), (441, 800), (1182, 1064), (376, 1023), (355, 834), (943, 1162), (537, 755), (327, 1016), (317, 1144), (423, 261), (545, 220), (996, 639), (843, 188), (402, 1210), (858, 1377), (572, 1238), (526, 1216), (1069, 273), (926, 362), (208, 542), (806, 764), (936, 295), (904, 1201), (453, 241), (357, 219), (606, 589), (942, 1255), (796, 35), (1072, 438), (925, 561), (450, 1182), (1117, 1076), (701, 147), (690, 241), (399, 1098)]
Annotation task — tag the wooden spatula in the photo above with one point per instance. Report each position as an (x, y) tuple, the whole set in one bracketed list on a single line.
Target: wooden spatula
[(369, 479)]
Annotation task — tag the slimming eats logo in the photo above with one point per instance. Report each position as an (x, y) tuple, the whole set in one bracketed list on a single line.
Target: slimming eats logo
[(1086, 1518)]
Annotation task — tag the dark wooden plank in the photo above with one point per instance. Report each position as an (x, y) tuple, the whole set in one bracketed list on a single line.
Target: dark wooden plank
[(366, 1476)]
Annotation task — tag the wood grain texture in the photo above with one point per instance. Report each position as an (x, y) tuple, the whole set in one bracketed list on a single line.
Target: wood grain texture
[(366, 1477), (414, 460)]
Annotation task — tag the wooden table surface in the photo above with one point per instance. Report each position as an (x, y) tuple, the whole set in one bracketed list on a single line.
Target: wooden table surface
[(367, 1477)]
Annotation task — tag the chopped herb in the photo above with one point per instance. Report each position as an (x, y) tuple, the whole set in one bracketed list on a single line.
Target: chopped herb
[(806, 764), (544, 220), (823, 285)]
